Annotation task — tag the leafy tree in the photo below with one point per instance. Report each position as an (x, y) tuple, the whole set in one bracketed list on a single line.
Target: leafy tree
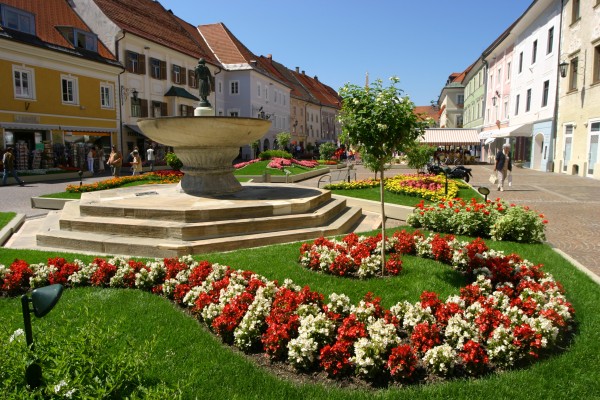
[(380, 121), (173, 161), (419, 154), (326, 151), (283, 140), (370, 162)]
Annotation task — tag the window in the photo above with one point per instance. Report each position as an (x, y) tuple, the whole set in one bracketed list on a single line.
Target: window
[(158, 69), (258, 89), (69, 90), (499, 76), (159, 109), (573, 74), (460, 99), (528, 101), (508, 71), (266, 93), (545, 93), (575, 11), (520, 62), (23, 82), (550, 44), (517, 104), (185, 110), (506, 109), (85, 40), (534, 52), (106, 96), (178, 74), (459, 121), (234, 87), (192, 79), (135, 63), (234, 113), (18, 20), (596, 77)]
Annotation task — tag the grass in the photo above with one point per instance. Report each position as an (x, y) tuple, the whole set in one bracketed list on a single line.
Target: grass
[(186, 355), (5, 218), (260, 167)]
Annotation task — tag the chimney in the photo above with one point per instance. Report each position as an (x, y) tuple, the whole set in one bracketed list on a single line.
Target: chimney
[(297, 70), (270, 57), (303, 73), (316, 78)]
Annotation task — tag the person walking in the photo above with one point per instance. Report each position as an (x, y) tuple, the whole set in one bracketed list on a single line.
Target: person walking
[(503, 165), (8, 161), (136, 164), (115, 160), (101, 160), (150, 157)]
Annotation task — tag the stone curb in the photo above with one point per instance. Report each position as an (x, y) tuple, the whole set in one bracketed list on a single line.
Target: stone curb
[(10, 228), (49, 203), (577, 264)]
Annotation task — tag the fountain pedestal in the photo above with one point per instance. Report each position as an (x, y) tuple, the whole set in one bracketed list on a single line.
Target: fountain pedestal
[(207, 170)]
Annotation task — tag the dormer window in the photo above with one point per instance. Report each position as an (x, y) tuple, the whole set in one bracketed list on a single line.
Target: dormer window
[(16, 19), (80, 39)]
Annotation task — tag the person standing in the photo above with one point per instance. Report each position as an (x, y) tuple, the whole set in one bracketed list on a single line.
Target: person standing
[(90, 159), (150, 157), (101, 161), (136, 164), (8, 161), (503, 165), (115, 160)]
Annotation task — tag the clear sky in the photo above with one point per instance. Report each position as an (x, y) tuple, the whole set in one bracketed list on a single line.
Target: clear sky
[(422, 42)]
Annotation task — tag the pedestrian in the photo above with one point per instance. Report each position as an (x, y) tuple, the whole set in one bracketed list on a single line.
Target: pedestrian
[(136, 164), (150, 157), (101, 160), (90, 159), (115, 160), (8, 161), (503, 165)]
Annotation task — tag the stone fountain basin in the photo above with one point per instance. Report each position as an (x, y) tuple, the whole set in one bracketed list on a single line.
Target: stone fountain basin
[(204, 131)]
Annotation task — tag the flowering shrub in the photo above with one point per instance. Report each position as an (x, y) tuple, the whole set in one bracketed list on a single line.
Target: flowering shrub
[(155, 177), (280, 163), (510, 312), (496, 219), (353, 256), (430, 187)]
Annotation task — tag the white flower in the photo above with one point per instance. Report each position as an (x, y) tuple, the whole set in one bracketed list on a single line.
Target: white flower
[(16, 334)]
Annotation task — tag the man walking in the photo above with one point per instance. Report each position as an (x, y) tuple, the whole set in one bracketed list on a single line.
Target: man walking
[(8, 160), (150, 157)]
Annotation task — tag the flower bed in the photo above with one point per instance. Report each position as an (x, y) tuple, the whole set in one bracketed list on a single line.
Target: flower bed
[(496, 219), (157, 177), (430, 187), (510, 313)]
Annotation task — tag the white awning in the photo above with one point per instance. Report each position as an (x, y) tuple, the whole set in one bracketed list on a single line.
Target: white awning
[(513, 131), (483, 135), (441, 136), (90, 129), (489, 140)]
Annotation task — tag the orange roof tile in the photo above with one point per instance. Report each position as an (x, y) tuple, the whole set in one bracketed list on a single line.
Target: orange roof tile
[(226, 47), (148, 19), (50, 14)]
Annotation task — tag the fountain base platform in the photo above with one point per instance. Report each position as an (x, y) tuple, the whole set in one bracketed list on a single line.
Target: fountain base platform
[(161, 221)]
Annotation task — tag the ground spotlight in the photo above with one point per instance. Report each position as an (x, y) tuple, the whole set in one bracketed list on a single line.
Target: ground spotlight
[(43, 301)]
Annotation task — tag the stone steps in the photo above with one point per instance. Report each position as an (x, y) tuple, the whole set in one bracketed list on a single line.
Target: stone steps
[(119, 223)]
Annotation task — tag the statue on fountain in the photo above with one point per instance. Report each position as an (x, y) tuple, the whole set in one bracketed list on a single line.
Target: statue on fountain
[(204, 79)]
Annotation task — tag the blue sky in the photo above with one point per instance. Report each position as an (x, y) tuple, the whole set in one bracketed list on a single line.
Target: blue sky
[(421, 42)]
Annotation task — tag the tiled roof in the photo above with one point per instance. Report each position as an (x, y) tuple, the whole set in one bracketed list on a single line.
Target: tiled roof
[(324, 94), (429, 111), (226, 47), (50, 14), (297, 90), (148, 19), (197, 37)]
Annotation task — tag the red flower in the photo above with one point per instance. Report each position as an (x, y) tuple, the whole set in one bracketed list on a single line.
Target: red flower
[(335, 359), (474, 357), (17, 280), (402, 362), (425, 336)]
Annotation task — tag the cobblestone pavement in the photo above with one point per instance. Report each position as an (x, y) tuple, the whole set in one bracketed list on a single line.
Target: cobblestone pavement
[(570, 203)]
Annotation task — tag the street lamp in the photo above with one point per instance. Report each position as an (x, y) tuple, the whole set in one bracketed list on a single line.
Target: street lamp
[(43, 300), (562, 67), (484, 191)]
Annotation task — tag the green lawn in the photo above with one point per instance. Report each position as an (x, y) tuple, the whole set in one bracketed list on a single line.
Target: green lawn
[(180, 353), (400, 199), (260, 167), (5, 218)]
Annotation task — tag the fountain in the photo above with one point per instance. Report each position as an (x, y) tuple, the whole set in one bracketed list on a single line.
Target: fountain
[(209, 210)]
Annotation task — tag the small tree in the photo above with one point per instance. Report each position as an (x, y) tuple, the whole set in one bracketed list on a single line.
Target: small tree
[(255, 148), (381, 121), (283, 140), (370, 162), (419, 154), (326, 151)]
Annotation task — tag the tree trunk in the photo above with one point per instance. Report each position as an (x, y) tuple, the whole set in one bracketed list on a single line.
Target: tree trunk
[(381, 196)]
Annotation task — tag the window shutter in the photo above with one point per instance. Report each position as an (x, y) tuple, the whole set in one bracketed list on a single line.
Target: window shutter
[(190, 110), (143, 108), (163, 70), (128, 61), (182, 76), (163, 109), (142, 64), (191, 78), (173, 74)]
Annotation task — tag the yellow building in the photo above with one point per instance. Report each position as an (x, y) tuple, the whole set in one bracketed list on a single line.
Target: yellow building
[(59, 85), (578, 128)]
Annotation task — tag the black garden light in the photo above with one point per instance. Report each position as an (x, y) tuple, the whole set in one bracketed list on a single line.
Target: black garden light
[(484, 191), (80, 173), (446, 171), (43, 300)]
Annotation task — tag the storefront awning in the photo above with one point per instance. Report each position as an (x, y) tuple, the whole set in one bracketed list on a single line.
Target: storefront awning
[(485, 134), (489, 140), (523, 130), (28, 127), (443, 136)]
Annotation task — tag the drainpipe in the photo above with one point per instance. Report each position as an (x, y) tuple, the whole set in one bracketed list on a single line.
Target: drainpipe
[(556, 98), (120, 145)]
